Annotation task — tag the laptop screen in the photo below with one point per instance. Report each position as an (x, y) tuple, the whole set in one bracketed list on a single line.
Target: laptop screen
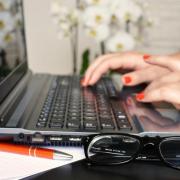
[(12, 45)]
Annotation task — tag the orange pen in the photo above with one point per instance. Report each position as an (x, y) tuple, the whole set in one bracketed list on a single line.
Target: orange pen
[(34, 151)]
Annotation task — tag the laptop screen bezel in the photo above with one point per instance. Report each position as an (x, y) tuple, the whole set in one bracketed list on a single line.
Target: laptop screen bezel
[(10, 81)]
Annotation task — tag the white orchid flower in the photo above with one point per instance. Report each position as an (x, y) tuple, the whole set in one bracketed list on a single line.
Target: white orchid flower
[(57, 9), (98, 2), (74, 16), (64, 30), (99, 33), (6, 38), (65, 18), (100, 19), (6, 4), (64, 13), (114, 5), (127, 10), (121, 41), (7, 23), (95, 15)]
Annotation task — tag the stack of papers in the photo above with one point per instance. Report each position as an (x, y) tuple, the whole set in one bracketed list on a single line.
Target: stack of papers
[(13, 166)]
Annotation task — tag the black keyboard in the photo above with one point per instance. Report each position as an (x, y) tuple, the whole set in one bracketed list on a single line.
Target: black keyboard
[(71, 106)]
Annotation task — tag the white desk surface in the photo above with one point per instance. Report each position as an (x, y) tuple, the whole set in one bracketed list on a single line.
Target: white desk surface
[(13, 166)]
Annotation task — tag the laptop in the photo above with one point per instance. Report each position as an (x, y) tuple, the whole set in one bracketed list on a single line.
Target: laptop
[(52, 110)]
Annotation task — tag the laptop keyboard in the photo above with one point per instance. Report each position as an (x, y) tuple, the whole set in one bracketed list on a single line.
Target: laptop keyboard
[(70, 106)]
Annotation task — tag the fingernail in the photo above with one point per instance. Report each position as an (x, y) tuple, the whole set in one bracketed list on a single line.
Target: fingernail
[(146, 56), (127, 79), (140, 96)]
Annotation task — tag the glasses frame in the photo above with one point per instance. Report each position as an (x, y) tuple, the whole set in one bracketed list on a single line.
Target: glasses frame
[(143, 141)]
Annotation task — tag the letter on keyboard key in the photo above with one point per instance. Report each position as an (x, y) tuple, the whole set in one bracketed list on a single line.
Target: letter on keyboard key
[(107, 125), (91, 125), (57, 120), (74, 118), (124, 126), (90, 118), (56, 125), (41, 124), (73, 124)]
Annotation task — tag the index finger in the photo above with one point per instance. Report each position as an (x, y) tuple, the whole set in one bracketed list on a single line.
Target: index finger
[(93, 66)]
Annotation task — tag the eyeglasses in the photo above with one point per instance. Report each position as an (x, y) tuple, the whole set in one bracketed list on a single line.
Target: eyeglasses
[(112, 149)]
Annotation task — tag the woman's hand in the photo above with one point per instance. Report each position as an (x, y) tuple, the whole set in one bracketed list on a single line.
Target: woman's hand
[(140, 71), (166, 88)]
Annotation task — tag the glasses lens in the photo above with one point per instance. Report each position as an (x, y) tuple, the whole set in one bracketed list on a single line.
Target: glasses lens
[(112, 149), (170, 151)]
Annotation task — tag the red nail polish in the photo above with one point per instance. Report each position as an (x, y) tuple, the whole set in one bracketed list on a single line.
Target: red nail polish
[(140, 96), (127, 79), (146, 56)]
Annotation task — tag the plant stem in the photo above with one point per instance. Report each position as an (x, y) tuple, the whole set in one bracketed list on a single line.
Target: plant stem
[(74, 54), (102, 48), (127, 26), (74, 43)]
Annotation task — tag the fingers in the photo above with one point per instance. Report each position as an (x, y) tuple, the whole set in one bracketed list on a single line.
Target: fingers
[(177, 106), (144, 75), (168, 92), (93, 66), (166, 79), (169, 62), (128, 60)]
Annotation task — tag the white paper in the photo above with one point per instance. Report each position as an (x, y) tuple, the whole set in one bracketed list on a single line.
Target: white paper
[(13, 166)]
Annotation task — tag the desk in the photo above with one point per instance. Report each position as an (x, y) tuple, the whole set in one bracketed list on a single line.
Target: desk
[(131, 171)]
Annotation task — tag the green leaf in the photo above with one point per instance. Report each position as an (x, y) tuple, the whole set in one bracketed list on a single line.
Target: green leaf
[(85, 61)]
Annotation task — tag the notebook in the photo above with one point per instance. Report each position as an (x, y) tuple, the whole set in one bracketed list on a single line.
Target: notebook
[(51, 110)]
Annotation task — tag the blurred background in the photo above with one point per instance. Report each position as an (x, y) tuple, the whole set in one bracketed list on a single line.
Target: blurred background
[(48, 54)]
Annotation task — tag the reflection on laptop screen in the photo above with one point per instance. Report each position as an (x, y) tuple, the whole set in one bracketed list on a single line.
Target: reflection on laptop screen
[(12, 49)]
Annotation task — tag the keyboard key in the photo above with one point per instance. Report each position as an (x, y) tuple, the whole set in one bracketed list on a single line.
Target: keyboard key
[(57, 115), (123, 120), (43, 119), (89, 114), (92, 125), (89, 111), (103, 116), (56, 125), (74, 114), (74, 118), (107, 125), (121, 116), (57, 120), (41, 124), (90, 118), (73, 124), (76, 110), (124, 126)]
